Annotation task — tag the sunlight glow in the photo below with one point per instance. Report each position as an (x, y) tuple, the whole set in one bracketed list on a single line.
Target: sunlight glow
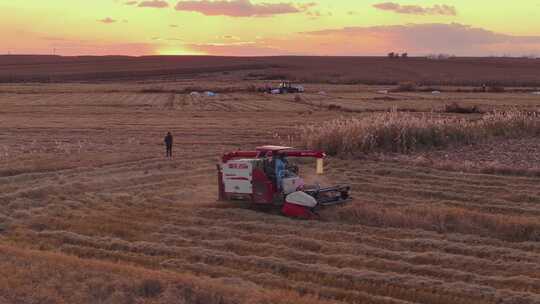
[(107, 27)]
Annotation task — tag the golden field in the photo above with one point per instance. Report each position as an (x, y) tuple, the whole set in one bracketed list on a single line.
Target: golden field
[(92, 212)]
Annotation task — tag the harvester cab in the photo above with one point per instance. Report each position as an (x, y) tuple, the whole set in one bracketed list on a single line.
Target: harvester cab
[(265, 177)]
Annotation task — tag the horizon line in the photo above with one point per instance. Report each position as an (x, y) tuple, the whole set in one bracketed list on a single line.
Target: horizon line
[(431, 56)]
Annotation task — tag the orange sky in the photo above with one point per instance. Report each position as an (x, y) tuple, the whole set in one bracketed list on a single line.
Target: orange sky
[(269, 27)]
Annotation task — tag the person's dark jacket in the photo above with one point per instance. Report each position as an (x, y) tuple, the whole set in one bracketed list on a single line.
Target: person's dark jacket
[(169, 140)]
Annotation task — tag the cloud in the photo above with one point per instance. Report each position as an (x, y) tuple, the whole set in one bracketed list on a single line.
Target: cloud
[(452, 38), (76, 48), (438, 9), (154, 3), (306, 6), (240, 8), (131, 3), (237, 49), (435, 32), (107, 20), (53, 38)]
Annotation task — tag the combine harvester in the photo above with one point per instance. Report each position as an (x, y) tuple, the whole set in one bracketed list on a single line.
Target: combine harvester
[(251, 176)]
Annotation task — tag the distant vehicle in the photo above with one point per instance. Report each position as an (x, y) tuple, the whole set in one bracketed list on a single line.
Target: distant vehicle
[(285, 87)]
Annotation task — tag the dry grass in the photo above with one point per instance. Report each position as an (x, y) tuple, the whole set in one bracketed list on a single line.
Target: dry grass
[(502, 156), (443, 220), (91, 281), (405, 132), (461, 109)]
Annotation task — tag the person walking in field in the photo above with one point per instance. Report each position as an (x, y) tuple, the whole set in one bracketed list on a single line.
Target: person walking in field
[(168, 144)]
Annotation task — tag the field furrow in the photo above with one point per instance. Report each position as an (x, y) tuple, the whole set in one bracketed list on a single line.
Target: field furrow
[(89, 203)]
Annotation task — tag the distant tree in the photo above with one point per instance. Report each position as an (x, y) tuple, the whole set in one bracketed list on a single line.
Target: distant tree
[(404, 55), (391, 55)]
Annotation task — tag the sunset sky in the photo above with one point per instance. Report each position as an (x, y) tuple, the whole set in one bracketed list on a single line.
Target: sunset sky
[(270, 27)]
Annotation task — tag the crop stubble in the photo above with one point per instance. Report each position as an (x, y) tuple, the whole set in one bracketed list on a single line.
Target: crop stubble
[(84, 189)]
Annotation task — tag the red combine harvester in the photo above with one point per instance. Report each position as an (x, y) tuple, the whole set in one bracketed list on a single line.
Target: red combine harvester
[(254, 176)]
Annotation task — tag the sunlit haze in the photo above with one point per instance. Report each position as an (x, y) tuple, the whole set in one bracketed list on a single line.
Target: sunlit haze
[(270, 27)]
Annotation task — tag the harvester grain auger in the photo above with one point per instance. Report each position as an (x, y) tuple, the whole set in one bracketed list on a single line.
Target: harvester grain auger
[(254, 176)]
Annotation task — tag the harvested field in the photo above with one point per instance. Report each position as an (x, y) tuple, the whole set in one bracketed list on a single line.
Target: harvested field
[(519, 156), (91, 212), (513, 72)]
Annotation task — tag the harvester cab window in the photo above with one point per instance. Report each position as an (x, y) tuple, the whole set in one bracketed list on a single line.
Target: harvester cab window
[(269, 168), (280, 170), (290, 169)]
